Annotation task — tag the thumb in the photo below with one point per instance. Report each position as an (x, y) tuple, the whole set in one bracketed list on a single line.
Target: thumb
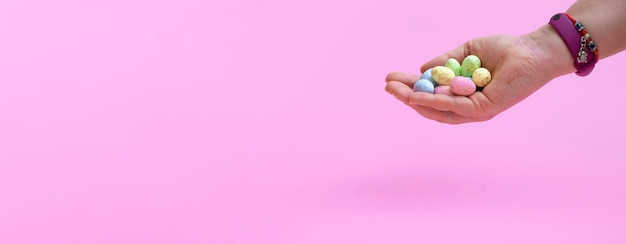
[(459, 53)]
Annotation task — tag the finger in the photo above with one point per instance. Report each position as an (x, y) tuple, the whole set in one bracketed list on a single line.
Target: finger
[(473, 108), (440, 102), (403, 93), (406, 78), (458, 104), (441, 116), (399, 90), (459, 53)]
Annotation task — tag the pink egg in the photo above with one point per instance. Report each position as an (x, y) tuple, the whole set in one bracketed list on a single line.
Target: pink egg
[(443, 90), (462, 86)]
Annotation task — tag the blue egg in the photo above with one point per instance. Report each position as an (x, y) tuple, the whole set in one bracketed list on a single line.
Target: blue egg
[(428, 75), (424, 85)]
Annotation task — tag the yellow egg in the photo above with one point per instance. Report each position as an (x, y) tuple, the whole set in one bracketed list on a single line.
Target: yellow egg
[(481, 77), (442, 75)]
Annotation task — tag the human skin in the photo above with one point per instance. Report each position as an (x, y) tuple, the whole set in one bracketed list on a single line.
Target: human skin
[(520, 65)]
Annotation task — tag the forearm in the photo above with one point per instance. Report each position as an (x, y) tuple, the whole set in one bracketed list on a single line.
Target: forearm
[(604, 20)]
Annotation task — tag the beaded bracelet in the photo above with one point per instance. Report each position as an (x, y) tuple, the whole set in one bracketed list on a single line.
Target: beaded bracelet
[(585, 37), (578, 41)]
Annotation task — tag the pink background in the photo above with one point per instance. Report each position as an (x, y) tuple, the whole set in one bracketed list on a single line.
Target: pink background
[(266, 121)]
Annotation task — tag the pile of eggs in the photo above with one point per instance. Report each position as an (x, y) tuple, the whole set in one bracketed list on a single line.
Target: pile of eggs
[(454, 78)]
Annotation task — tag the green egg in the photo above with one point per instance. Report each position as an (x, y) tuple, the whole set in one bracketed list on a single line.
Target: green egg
[(454, 65), (469, 65)]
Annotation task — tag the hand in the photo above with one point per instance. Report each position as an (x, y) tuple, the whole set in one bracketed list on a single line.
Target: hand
[(518, 65)]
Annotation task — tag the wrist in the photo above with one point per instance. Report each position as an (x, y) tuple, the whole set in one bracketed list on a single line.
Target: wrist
[(552, 54)]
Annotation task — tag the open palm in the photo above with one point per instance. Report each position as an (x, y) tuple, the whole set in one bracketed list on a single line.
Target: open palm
[(516, 74)]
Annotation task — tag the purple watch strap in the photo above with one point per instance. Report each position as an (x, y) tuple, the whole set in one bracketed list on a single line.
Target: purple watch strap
[(571, 37)]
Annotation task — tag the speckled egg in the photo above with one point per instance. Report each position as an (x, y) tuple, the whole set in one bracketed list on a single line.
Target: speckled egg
[(442, 75), (424, 85), (469, 65), (454, 65), (462, 86), (443, 90), (481, 77), (428, 75)]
